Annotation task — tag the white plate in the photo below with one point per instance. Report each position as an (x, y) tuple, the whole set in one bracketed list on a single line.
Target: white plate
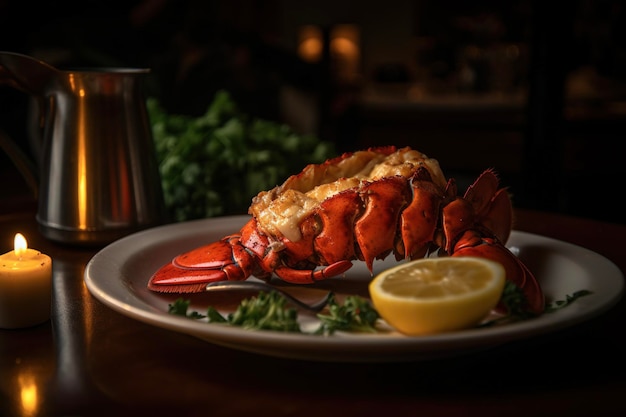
[(118, 275)]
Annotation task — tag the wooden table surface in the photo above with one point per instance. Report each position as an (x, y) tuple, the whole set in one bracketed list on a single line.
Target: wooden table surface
[(89, 360)]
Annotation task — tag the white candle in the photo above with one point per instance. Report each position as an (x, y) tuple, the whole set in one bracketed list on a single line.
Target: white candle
[(25, 286)]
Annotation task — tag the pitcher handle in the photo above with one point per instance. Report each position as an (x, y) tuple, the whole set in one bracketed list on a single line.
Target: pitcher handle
[(21, 161)]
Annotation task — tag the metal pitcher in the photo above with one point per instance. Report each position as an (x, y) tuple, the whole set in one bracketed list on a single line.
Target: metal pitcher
[(98, 175)]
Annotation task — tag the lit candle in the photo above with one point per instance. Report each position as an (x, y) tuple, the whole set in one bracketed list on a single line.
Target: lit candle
[(25, 286)]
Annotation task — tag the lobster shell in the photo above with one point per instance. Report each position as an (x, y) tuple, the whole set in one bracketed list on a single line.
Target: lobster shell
[(361, 206)]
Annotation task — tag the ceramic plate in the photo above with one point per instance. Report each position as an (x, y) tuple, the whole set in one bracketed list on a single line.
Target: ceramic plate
[(119, 273)]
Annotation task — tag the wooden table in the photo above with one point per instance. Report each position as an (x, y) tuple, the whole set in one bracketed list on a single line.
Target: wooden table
[(89, 360)]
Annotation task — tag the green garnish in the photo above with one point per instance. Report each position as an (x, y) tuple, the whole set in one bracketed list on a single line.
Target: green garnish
[(570, 298), (266, 311), (181, 307), (514, 301), (212, 165), (270, 311), (356, 314)]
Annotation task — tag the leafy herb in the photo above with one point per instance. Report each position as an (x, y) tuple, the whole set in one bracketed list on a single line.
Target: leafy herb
[(356, 314), (180, 308), (214, 164), (266, 311), (214, 316), (514, 301), (570, 298), (269, 311)]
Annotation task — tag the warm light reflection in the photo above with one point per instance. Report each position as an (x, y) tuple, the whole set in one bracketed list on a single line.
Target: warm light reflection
[(82, 166), (345, 50), (88, 313), (310, 49), (29, 396), (72, 80), (19, 245), (344, 46), (310, 43)]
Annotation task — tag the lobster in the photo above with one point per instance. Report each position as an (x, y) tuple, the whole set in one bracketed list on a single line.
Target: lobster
[(362, 205)]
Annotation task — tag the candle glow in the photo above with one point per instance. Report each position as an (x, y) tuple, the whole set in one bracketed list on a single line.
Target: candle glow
[(25, 286), (28, 395)]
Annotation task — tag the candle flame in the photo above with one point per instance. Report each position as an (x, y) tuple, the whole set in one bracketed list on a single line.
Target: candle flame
[(19, 244)]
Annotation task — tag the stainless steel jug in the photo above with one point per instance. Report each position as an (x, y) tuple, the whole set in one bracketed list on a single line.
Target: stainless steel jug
[(98, 175)]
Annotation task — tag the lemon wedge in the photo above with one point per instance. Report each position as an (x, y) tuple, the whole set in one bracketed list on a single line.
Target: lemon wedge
[(434, 295)]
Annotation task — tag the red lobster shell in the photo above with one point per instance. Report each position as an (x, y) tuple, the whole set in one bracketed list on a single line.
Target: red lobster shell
[(362, 206)]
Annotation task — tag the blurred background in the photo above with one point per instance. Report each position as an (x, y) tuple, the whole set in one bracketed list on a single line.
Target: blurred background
[(534, 89)]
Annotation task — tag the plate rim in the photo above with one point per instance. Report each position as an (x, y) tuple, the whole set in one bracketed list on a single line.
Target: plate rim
[(341, 347)]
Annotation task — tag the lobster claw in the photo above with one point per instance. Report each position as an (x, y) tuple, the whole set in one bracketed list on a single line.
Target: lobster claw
[(189, 272), (472, 243)]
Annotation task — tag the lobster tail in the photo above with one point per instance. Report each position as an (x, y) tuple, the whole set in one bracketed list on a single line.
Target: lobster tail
[(420, 218), (472, 244), (359, 206), (479, 224), (375, 230)]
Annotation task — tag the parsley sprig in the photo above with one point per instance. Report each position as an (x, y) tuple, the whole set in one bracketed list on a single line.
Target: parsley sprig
[(514, 301), (213, 164), (569, 299), (356, 315), (271, 311), (267, 311)]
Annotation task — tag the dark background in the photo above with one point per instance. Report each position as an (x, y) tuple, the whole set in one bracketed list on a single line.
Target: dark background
[(436, 75)]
